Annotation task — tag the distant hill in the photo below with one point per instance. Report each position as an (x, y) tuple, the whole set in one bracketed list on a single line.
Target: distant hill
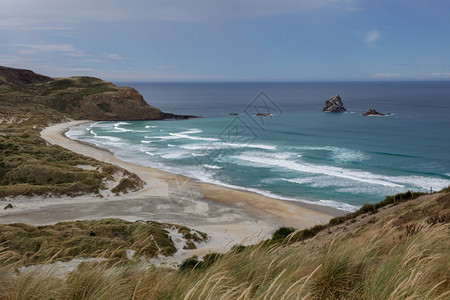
[(21, 76), (82, 98)]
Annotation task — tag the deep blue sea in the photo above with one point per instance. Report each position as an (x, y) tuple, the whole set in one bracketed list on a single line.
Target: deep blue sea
[(298, 152)]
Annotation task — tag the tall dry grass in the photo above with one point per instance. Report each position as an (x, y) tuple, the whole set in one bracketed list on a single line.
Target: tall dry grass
[(384, 263)]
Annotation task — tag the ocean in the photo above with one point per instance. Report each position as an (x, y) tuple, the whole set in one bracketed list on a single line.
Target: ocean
[(297, 152)]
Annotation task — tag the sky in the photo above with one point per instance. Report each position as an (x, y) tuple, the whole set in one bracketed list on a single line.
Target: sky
[(228, 40)]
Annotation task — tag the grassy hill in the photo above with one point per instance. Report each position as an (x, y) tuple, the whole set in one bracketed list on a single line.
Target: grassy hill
[(81, 98), (30, 102)]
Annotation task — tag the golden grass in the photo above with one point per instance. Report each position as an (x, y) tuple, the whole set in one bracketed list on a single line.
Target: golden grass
[(379, 263), (108, 238)]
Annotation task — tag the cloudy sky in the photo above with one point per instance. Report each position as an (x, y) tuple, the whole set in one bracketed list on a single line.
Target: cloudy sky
[(228, 40)]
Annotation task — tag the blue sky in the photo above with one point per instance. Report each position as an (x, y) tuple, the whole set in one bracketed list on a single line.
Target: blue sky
[(228, 40)]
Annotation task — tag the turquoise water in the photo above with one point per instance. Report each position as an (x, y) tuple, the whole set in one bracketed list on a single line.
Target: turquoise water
[(298, 152)]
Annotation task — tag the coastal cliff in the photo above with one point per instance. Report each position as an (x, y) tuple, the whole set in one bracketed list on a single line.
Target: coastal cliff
[(80, 98)]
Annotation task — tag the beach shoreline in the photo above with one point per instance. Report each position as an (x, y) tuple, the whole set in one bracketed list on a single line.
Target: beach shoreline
[(229, 216), (332, 211)]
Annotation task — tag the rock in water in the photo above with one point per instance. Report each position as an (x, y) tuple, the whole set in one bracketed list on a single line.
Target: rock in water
[(373, 112), (334, 104)]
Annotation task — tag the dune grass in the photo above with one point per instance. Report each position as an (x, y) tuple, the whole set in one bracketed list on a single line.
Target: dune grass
[(111, 237), (385, 260), (373, 266), (30, 166)]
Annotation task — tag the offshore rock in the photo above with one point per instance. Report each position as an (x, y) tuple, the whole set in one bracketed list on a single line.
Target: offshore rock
[(373, 112), (334, 104)]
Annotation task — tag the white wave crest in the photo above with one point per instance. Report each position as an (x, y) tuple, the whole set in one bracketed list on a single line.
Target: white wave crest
[(299, 180), (227, 145), (339, 154), (195, 138), (109, 138), (361, 176), (338, 205), (212, 167), (118, 128)]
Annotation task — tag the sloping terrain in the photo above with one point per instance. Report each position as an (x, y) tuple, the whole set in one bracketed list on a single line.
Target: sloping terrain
[(20, 76)]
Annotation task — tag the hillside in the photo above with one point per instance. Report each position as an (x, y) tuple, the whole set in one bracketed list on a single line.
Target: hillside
[(399, 251), (29, 102), (20, 76), (80, 98)]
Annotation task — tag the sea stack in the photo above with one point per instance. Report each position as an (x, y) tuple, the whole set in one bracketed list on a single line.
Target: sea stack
[(334, 104), (373, 112)]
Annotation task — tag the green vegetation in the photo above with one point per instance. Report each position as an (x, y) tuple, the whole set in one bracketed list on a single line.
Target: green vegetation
[(60, 94), (373, 208), (192, 236), (28, 165), (282, 233), (65, 94), (131, 183), (291, 235), (109, 238), (193, 263)]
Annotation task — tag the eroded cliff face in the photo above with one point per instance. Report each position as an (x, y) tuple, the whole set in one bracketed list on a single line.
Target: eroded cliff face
[(123, 104)]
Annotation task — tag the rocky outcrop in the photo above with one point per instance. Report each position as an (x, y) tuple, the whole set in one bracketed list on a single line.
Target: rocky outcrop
[(334, 104), (373, 112), (20, 76), (123, 104)]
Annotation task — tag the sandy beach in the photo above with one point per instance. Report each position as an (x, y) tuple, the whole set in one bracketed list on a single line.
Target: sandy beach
[(229, 216)]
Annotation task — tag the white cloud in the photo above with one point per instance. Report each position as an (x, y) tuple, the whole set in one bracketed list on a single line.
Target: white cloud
[(387, 75), (372, 36), (112, 56), (32, 14), (64, 49), (435, 74)]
